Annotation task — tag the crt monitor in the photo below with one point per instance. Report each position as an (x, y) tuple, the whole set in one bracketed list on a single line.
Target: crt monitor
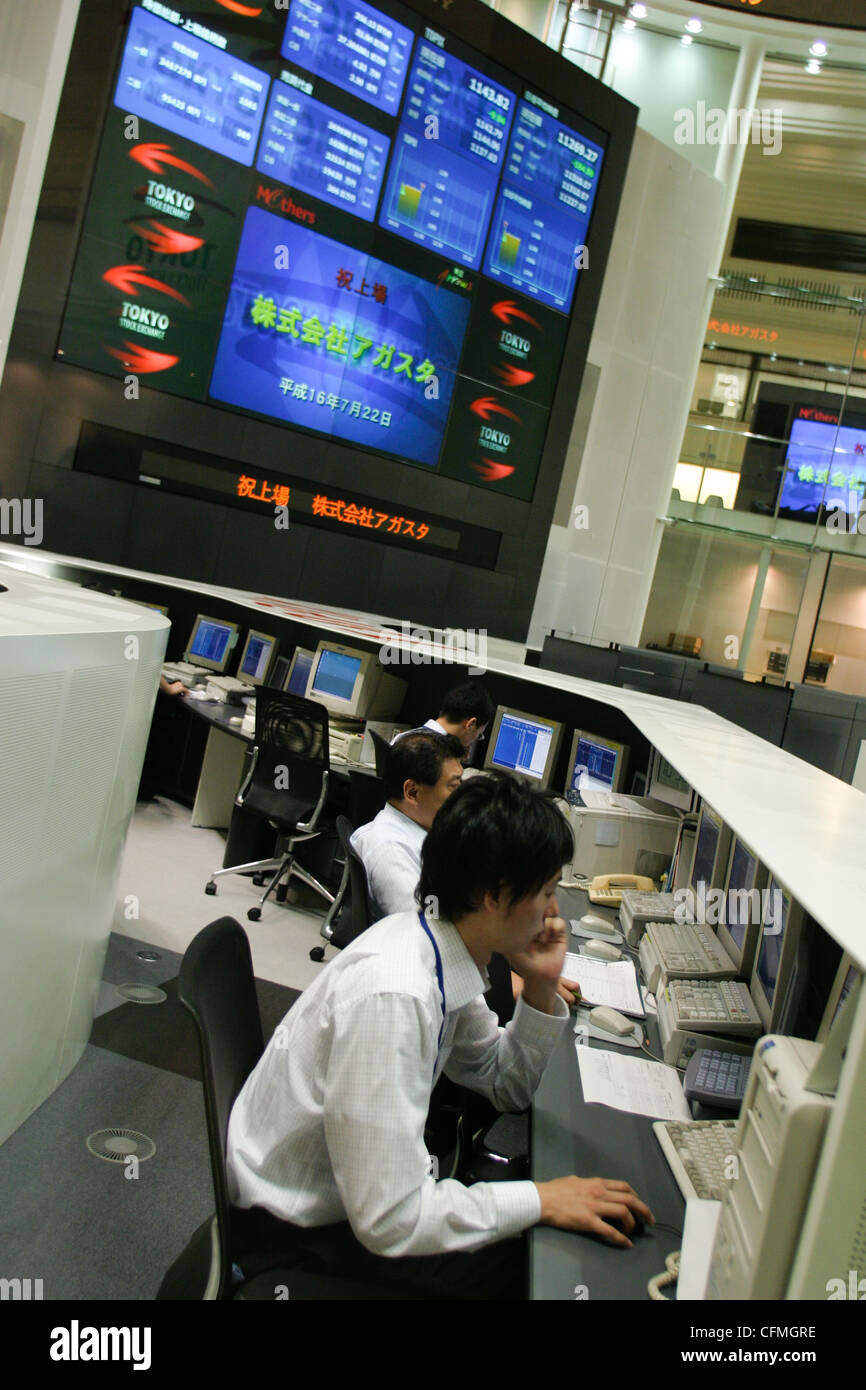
[(847, 976), (523, 743), (775, 984), (711, 850), (210, 643), (256, 658), (352, 683), (666, 784), (595, 762), (740, 922), (299, 671)]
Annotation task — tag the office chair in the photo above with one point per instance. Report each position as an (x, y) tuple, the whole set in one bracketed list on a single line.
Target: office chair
[(287, 784), (217, 986), (381, 748), (358, 914)]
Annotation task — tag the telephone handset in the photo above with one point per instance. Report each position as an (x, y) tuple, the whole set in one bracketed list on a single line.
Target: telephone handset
[(607, 889)]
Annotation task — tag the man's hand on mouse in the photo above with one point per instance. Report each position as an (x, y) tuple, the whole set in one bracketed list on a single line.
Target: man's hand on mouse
[(590, 1204)]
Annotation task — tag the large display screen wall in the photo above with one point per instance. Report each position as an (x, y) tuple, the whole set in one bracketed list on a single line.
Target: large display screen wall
[(368, 239)]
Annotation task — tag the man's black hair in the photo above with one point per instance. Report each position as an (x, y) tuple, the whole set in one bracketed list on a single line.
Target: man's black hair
[(419, 756), (467, 701), (494, 832)]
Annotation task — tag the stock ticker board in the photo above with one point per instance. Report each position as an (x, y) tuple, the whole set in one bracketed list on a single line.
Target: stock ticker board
[(337, 217)]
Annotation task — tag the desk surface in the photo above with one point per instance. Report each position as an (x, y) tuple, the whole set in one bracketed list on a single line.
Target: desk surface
[(219, 716), (809, 828), (596, 1141)]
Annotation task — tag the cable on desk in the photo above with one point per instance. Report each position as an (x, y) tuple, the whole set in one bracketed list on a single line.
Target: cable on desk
[(663, 1281), (645, 1048)]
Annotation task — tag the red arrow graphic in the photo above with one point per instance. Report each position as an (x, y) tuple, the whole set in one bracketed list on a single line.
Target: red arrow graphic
[(510, 375), (491, 472), (154, 157), (485, 406), (240, 9), (505, 310), (126, 277), (166, 240), (141, 359)]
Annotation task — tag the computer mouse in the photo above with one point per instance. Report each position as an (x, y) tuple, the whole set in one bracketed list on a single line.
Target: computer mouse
[(601, 950), (611, 1021), (593, 923)]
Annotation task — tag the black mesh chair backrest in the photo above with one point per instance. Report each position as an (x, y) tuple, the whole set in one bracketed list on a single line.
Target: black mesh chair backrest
[(218, 987), (357, 916), (292, 739), (381, 749)]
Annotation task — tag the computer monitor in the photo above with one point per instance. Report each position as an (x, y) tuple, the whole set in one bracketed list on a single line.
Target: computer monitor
[(299, 671), (523, 743), (256, 658), (846, 977), (743, 907), (712, 843), (210, 643), (775, 985), (352, 683), (280, 673), (666, 784), (596, 758)]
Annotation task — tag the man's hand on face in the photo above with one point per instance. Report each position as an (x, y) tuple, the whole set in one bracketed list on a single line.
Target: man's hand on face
[(540, 964)]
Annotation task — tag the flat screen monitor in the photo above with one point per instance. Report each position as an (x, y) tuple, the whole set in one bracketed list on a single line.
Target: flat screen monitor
[(256, 658), (711, 850), (595, 762), (299, 671), (280, 673), (210, 643), (525, 744), (847, 976), (775, 973), (666, 784), (742, 906)]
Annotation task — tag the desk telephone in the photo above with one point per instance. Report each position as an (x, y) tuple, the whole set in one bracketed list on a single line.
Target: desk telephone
[(607, 889)]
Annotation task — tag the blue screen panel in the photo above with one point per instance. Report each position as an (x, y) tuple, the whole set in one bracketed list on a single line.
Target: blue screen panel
[(336, 675), (340, 342), (191, 87), (596, 760), (319, 150), (210, 641), (258, 654), (825, 462), (300, 673), (522, 746), (353, 45)]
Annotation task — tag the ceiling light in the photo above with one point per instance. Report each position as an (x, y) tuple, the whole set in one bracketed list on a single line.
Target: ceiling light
[(638, 11), (694, 26), (686, 39), (813, 67), (629, 24), (818, 49)]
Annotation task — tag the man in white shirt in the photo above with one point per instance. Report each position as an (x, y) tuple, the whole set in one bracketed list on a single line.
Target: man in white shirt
[(465, 713), (421, 773), (327, 1133)]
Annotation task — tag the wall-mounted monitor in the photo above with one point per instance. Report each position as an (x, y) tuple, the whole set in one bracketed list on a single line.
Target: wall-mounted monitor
[(256, 658), (211, 642), (595, 763), (523, 743)]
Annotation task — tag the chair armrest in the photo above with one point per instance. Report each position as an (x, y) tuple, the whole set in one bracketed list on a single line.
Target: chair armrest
[(314, 818)]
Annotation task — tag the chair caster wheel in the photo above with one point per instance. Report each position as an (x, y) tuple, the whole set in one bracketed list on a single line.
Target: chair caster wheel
[(255, 914), (259, 880), (210, 889), (317, 953)]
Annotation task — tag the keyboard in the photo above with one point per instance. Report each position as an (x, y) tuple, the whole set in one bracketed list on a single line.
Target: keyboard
[(184, 672), (699, 1154), (717, 1078), (686, 950), (709, 1006)]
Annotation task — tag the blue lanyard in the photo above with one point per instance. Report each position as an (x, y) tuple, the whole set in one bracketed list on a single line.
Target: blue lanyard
[(423, 920)]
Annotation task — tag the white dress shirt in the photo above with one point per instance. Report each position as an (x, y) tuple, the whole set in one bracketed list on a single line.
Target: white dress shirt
[(330, 1124), (390, 849), (432, 724)]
